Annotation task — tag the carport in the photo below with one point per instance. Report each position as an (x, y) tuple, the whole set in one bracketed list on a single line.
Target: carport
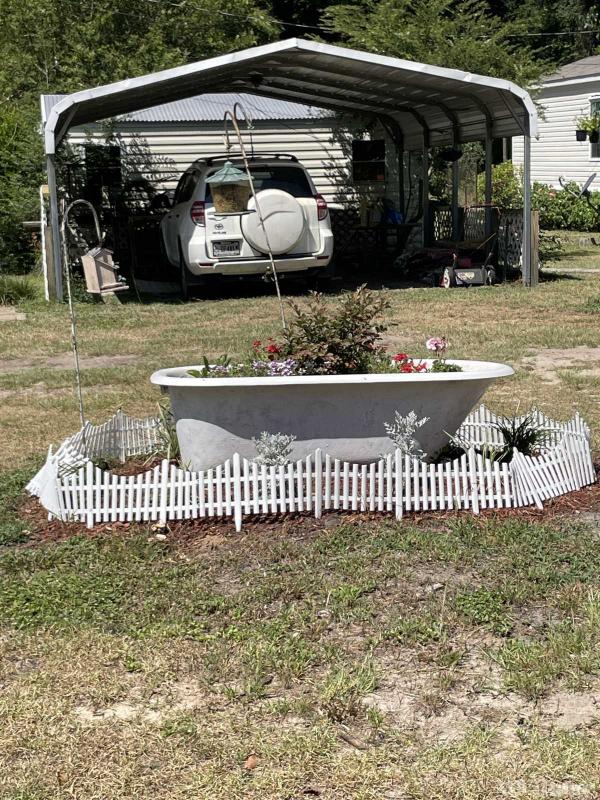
[(420, 105)]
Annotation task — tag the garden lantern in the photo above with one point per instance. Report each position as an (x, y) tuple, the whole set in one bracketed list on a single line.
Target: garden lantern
[(230, 189)]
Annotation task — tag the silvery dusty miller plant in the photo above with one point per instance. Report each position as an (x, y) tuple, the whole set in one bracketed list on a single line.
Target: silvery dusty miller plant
[(402, 433), (273, 449)]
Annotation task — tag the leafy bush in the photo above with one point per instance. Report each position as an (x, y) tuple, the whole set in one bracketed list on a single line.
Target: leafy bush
[(17, 289), (507, 185), (20, 177), (551, 248), (559, 209), (339, 341), (273, 449)]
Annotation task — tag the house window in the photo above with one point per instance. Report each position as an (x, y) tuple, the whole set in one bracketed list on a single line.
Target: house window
[(102, 171), (368, 160), (595, 147)]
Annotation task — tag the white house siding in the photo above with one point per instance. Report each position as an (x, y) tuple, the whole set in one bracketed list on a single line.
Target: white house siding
[(556, 153), (162, 151)]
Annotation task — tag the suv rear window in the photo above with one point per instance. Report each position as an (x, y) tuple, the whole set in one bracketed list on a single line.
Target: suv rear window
[(290, 179), (185, 187)]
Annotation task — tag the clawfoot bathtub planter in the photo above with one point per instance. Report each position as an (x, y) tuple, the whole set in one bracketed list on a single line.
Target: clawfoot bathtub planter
[(343, 415)]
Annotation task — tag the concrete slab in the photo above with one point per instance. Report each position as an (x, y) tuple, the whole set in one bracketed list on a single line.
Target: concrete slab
[(10, 314)]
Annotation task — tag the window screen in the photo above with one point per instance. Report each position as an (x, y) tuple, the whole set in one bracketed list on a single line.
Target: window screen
[(102, 170), (368, 160), (595, 147)]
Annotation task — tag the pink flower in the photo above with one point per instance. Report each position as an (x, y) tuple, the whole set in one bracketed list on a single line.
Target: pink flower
[(437, 344)]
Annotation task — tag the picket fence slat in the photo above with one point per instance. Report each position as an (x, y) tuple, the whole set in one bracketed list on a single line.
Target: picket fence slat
[(396, 483)]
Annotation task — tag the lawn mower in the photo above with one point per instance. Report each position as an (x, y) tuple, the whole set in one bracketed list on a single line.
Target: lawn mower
[(450, 264)]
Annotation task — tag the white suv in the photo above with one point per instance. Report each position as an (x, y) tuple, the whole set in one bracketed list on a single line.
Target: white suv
[(199, 242)]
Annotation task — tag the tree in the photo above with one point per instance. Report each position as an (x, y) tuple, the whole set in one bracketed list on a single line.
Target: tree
[(57, 46), (562, 32), (463, 34)]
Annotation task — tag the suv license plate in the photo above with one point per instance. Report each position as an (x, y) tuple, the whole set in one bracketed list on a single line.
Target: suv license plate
[(226, 248)]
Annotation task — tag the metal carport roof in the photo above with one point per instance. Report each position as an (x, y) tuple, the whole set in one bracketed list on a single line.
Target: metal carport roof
[(209, 108), (444, 104), (427, 105)]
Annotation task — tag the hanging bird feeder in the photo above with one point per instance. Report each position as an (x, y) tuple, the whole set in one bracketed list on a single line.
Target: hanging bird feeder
[(230, 189)]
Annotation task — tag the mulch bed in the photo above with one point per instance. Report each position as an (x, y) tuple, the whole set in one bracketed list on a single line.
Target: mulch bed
[(583, 502)]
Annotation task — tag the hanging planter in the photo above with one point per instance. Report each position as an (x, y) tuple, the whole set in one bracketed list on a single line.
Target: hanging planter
[(588, 126), (230, 189)]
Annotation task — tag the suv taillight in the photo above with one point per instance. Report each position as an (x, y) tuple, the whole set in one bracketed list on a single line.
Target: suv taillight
[(321, 206), (197, 212)]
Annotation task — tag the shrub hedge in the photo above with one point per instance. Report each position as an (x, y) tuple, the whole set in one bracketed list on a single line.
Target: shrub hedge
[(559, 208)]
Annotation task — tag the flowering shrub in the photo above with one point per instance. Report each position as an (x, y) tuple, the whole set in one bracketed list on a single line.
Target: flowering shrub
[(323, 341), (339, 341)]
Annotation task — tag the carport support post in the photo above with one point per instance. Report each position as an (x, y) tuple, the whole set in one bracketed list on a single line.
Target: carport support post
[(530, 270), (488, 179), (425, 191), (55, 226), (454, 200)]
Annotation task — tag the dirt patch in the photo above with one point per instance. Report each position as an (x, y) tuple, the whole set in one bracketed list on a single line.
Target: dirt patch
[(37, 390), (171, 699), (42, 389), (548, 361), (571, 710), (408, 700), (65, 361)]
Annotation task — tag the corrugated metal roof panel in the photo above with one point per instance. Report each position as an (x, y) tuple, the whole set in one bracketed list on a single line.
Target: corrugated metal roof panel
[(210, 108)]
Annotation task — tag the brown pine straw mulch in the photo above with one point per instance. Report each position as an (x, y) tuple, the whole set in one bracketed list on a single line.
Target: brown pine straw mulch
[(586, 501)]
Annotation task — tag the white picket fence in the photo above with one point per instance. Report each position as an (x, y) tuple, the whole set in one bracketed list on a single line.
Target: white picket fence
[(72, 487)]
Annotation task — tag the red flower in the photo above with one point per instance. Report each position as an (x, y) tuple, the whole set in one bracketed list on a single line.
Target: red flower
[(400, 357), (273, 348), (256, 344)]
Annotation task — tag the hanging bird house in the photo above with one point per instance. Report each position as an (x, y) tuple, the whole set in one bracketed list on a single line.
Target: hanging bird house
[(101, 272), (230, 189)]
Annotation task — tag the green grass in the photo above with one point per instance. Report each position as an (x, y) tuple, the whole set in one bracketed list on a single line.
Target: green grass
[(575, 255)]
